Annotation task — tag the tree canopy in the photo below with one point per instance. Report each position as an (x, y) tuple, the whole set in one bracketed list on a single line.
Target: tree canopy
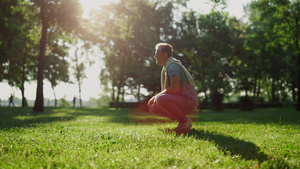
[(228, 58)]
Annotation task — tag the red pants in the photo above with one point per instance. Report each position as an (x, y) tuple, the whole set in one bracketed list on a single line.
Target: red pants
[(172, 106)]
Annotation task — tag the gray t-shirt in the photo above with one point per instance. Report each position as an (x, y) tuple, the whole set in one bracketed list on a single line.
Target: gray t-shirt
[(186, 90)]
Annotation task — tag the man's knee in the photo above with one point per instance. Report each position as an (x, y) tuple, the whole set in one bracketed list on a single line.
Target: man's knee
[(161, 100), (151, 108), (150, 102)]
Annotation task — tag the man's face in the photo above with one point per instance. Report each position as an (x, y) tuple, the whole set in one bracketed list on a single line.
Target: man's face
[(160, 57)]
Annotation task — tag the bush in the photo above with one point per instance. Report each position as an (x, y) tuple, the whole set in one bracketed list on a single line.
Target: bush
[(64, 103), (124, 104), (204, 104), (217, 102), (232, 105), (246, 104), (268, 105), (259, 100)]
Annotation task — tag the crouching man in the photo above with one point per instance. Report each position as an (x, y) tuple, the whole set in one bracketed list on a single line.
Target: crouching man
[(178, 97)]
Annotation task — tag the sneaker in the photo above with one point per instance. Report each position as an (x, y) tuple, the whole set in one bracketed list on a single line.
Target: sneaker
[(184, 128)]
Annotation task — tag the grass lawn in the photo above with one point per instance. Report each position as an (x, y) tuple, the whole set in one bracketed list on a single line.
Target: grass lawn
[(124, 138)]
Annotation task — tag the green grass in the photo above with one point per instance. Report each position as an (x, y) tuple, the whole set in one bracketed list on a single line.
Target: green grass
[(110, 138)]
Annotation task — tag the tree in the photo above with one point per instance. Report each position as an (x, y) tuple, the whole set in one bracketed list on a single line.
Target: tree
[(274, 23), (53, 13), (79, 73), (21, 60), (127, 32), (287, 14), (56, 67), (9, 33), (207, 42)]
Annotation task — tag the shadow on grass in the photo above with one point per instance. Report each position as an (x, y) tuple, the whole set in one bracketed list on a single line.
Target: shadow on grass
[(141, 117), (153, 120), (278, 116), (231, 146), (13, 123), (24, 117), (236, 147)]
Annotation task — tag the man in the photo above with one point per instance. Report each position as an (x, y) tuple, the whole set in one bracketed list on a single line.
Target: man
[(74, 101), (11, 100), (178, 97)]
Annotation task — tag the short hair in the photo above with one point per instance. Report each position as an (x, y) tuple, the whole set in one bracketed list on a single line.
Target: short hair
[(165, 48)]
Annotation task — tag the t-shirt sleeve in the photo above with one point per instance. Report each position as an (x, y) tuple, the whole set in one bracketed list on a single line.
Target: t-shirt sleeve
[(173, 70)]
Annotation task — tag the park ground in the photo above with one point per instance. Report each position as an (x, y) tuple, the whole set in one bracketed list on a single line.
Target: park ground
[(127, 138)]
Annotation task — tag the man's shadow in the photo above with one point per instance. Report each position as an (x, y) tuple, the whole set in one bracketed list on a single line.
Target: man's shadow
[(230, 145)]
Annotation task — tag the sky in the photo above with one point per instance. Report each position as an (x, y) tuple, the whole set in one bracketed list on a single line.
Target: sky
[(91, 85)]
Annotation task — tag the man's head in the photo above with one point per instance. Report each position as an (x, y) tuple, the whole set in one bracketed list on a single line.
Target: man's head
[(163, 52)]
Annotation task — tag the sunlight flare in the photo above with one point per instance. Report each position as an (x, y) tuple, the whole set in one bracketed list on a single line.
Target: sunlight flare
[(88, 5)]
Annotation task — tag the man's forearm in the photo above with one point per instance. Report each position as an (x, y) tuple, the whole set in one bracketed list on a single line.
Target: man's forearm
[(171, 90), (161, 93)]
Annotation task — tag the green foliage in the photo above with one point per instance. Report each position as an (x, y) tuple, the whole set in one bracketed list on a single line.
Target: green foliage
[(225, 56), (64, 103), (9, 33), (123, 138), (56, 66), (21, 42), (21, 62), (61, 16), (103, 101), (273, 23), (79, 71), (127, 32), (209, 44)]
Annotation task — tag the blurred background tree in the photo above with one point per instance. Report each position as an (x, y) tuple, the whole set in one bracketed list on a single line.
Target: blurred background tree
[(21, 52), (127, 32)]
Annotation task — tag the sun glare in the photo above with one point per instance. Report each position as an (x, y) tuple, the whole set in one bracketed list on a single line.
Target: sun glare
[(88, 5)]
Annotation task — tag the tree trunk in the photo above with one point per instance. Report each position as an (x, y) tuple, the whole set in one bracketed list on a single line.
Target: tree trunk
[(206, 96), (123, 94), (138, 94), (39, 101), (113, 93), (79, 87), (268, 92), (123, 63), (55, 100), (297, 46), (293, 91), (23, 81), (255, 88), (217, 101), (118, 93), (258, 89), (121, 78), (78, 76), (298, 93), (273, 99)]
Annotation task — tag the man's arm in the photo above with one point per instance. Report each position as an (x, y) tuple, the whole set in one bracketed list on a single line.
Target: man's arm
[(173, 89), (174, 85)]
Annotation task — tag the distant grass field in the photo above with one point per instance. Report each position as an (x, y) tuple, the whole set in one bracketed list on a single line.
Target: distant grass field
[(124, 138)]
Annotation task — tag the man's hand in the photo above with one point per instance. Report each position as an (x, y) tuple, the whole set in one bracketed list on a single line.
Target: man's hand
[(173, 89)]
